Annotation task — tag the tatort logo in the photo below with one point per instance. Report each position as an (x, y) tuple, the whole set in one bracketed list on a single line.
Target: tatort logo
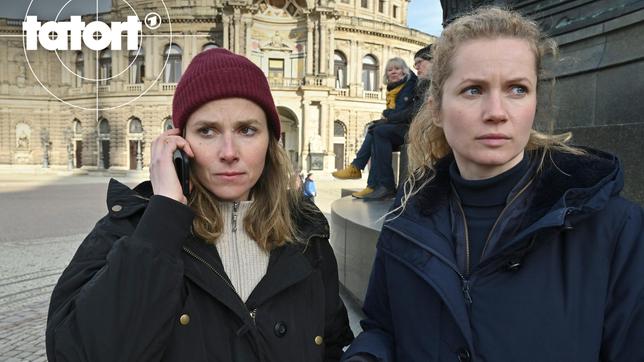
[(96, 35)]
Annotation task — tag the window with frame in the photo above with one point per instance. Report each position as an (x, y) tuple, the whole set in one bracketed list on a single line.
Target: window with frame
[(338, 129), (364, 3), (172, 72), (395, 12), (137, 66), (340, 67), (105, 67), (79, 68), (275, 68), (370, 73), (104, 127), (381, 6), (77, 128), (135, 126)]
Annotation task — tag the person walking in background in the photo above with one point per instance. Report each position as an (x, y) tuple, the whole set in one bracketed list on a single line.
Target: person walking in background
[(394, 132), (310, 191), (240, 269), (400, 81), (506, 243)]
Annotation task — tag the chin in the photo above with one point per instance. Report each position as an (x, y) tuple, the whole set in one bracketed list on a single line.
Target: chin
[(226, 195)]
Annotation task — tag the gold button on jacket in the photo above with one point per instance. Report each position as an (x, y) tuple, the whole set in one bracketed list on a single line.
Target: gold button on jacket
[(319, 340), (184, 319)]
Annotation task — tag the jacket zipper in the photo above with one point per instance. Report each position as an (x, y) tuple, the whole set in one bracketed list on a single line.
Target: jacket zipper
[(465, 282), (489, 235), (467, 239), (251, 313), (234, 236)]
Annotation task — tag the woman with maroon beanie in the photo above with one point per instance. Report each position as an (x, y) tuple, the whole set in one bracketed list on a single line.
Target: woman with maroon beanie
[(240, 269)]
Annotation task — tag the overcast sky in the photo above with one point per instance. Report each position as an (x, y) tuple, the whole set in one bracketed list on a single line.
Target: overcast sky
[(424, 15)]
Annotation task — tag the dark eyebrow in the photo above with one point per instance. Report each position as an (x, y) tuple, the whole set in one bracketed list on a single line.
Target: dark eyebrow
[(520, 80), (244, 122), (483, 81)]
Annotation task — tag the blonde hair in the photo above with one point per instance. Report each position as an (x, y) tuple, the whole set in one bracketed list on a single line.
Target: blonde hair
[(400, 63), (427, 142), (269, 220)]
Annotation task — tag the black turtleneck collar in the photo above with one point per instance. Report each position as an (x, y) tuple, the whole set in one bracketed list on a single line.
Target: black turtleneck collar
[(488, 192)]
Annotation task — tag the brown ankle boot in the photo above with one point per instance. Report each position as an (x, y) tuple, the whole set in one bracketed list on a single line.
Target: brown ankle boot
[(350, 172)]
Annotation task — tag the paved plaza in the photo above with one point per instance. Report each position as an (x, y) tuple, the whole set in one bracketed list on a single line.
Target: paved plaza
[(44, 216)]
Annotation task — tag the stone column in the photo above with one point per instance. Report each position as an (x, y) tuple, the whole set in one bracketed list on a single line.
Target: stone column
[(316, 49), (226, 28), (331, 59), (322, 68), (403, 14), (326, 132), (304, 144), (248, 21), (356, 70), (237, 32), (194, 46), (309, 46), (150, 59)]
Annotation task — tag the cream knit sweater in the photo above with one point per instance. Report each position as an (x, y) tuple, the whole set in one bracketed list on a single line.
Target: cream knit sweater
[(244, 261)]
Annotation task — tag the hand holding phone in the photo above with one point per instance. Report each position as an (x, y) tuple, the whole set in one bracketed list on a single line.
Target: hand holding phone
[(182, 166)]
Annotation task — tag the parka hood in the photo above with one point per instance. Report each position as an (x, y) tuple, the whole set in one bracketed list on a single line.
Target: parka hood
[(564, 183)]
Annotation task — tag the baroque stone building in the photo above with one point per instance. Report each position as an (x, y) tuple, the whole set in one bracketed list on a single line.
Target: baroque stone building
[(102, 109)]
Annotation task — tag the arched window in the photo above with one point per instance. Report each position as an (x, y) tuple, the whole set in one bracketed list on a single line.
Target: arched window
[(370, 73), (340, 66), (173, 68), (77, 128), (167, 124), (135, 126), (137, 66), (209, 46), (79, 68), (338, 129), (105, 66), (103, 127)]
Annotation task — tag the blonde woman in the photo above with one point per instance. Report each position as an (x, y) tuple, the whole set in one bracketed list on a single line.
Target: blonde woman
[(239, 270), (390, 131), (506, 244)]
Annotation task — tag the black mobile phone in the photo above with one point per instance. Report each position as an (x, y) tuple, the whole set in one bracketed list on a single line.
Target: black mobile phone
[(182, 165)]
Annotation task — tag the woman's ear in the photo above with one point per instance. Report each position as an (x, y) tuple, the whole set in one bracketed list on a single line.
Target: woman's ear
[(434, 112)]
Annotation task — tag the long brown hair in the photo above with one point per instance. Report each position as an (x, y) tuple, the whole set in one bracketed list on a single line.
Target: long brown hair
[(268, 221), (427, 142)]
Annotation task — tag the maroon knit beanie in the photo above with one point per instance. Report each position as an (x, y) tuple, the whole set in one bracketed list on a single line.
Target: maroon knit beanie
[(218, 74)]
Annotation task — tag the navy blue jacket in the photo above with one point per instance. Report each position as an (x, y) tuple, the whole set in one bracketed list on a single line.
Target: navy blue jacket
[(404, 101), (562, 278)]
